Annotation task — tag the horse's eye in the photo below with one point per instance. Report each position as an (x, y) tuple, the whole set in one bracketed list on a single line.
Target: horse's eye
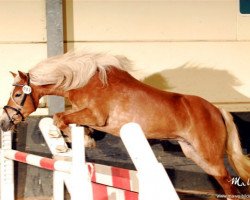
[(18, 94)]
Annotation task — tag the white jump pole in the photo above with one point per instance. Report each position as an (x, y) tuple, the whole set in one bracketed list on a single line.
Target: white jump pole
[(78, 182), (53, 137), (7, 168), (154, 182), (58, 185), (80, 179)]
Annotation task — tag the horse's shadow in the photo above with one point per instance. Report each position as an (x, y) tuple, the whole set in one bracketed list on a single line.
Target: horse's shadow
[(211, 84)]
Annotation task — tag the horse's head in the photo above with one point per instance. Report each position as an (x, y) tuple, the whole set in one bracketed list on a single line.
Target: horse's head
[(21, 103)]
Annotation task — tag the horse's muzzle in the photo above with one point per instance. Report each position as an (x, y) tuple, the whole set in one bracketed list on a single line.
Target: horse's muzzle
[(6, 125)]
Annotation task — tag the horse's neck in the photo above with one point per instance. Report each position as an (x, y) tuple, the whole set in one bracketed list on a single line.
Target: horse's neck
[(50, 90), (118, 74), (114, 75)]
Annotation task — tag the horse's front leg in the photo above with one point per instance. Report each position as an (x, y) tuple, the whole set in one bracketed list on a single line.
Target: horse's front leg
[(82, 117), (57, 118), (85, 117)]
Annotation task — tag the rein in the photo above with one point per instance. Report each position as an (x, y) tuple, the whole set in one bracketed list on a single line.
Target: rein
[(27, 91)]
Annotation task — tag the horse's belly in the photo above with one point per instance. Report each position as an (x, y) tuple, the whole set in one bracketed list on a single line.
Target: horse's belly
[(158, 119), (159, 127)]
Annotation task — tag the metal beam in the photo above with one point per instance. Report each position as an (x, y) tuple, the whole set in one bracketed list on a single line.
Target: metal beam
[(54, 21)]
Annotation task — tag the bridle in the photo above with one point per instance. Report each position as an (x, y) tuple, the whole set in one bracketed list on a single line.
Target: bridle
[(27, 92)]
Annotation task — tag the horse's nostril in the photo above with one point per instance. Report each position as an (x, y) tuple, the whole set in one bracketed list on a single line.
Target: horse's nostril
[(3, 125)]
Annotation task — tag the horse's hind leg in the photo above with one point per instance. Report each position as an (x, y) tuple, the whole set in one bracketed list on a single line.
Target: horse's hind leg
[(213, 166)]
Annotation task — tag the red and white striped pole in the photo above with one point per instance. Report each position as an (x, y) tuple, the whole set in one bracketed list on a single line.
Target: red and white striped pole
[(75, 173), (60, 169), (38, 161)]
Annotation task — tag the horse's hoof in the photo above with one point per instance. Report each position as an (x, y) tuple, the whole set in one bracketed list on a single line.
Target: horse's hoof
[(54, 134), (89, 142), (61, 149)]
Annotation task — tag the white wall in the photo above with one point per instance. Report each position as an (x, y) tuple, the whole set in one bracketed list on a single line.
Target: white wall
[(198, 47), (22, 39)]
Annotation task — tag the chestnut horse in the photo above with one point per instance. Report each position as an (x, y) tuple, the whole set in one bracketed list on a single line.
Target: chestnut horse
[(104, 96)]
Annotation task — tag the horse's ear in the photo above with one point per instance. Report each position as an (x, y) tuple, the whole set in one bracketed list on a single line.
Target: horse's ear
[(22, 75), (13, 74)]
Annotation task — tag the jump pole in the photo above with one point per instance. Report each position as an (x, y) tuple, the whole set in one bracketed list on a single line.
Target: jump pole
[(80, 179), (107, 182), (75, 173), (7, 168), (137, 146), (154, 182)]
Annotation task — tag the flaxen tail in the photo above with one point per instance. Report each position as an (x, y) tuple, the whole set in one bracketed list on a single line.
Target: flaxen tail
[(239, 161)]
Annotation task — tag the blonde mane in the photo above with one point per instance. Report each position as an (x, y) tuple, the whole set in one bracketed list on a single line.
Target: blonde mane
[(74, 69)]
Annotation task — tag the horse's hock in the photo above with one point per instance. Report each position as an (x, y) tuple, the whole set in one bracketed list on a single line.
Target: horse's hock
[(34, 182)]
